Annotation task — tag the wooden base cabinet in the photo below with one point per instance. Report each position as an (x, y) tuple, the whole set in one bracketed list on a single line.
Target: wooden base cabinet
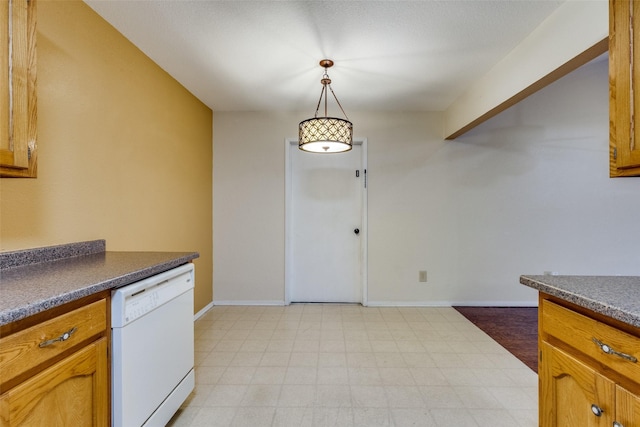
[(69, 393), (589, 370), (55, 373), (627, 408), (573, 394)]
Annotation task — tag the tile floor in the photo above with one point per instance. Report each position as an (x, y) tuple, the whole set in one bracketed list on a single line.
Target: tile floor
[(348, 365)]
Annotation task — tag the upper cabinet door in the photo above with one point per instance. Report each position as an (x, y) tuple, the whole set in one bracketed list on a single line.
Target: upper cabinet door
[(18, 88), (624, 89)]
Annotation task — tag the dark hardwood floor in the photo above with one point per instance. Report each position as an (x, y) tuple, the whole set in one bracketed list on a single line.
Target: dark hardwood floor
[(515, 328)]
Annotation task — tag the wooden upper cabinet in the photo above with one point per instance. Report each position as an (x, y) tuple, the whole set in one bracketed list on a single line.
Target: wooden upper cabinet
[(18, 115), (624, 87)]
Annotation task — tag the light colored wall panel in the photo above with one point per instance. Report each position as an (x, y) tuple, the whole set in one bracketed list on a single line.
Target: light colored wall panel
[(526, 192), (125, 152)]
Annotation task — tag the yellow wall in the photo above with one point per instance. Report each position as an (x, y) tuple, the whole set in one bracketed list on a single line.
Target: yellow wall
[(124, 151)]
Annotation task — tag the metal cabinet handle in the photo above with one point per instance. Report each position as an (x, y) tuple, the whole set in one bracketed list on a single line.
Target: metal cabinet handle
[(617, 424), (597, 411), (62, 337), (605, 348)]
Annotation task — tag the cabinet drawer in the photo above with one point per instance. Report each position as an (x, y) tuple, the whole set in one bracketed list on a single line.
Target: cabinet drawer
[(589, 336), (31, 347)]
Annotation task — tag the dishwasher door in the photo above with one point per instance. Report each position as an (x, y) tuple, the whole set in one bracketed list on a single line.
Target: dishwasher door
[(153, 348)]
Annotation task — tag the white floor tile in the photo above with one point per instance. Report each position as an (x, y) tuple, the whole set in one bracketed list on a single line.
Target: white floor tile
[(301, 375), (368, 396), (292, 395), (309, 365), (335, 417), (237, 375), (332, 360), (404, 397), (493, 417), (280, 359), (396, 376), (269, 375), (208, 374), (454, 417), (440, 397), (405, 417), (364, 376), (331, 375), (253, 417), (261, 395), (214, 417), (218, 358), (225, 395), (292, 417), (333, 396), (247, 358)]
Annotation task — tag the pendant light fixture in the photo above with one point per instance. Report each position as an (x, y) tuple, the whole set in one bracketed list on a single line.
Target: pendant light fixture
[(325, 134)]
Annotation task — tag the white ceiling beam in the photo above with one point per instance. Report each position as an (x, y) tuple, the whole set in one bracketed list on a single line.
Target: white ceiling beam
[(577, 32)]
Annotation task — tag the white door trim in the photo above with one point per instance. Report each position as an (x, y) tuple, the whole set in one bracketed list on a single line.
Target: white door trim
[(292, 144)]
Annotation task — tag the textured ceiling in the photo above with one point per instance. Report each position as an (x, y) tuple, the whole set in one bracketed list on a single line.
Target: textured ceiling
[(263, 55)]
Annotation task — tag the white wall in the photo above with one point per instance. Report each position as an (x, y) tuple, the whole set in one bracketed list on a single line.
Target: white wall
[(526, 192)]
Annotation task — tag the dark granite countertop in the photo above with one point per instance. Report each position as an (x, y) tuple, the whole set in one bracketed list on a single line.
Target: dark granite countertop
[(32, 281), (617, 297)]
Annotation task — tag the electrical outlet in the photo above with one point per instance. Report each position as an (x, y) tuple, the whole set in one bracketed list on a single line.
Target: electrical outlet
[(422, 276)]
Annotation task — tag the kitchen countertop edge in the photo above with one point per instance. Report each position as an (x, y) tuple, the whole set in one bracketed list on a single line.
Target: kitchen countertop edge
[(610, 296), (38, 286)]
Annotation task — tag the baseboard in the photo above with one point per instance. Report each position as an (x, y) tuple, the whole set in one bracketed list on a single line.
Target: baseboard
[(203, 311), (385, 304), (452, 303), (495, 303), (260, 302)]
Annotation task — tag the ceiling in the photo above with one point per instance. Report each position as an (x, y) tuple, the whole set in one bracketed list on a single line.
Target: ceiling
[(390, 55)]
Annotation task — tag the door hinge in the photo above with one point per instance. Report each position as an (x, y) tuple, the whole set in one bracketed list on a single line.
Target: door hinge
[(365, 178), (540, 356), (615, 153)]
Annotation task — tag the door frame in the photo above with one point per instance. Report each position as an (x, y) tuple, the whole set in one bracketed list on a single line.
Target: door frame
[(292, 144)]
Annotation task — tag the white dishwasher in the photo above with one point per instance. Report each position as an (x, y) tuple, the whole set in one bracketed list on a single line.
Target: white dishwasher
[(152, 343)]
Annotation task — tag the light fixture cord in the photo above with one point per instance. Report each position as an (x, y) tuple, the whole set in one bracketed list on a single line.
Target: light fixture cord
[(325, 78), (324, 87), (339, 105)]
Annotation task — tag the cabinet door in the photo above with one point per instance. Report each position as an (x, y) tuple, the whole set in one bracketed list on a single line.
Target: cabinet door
[(627, 408), (624, 89), (573, 394), (73, 392), (17, 88)]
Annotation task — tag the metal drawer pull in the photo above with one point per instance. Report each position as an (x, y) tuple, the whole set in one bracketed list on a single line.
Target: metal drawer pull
[(605, 348), (617, 424), (597, 411), (62, 337)]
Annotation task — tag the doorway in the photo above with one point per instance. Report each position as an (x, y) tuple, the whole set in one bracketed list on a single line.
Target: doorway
[(326, 225)]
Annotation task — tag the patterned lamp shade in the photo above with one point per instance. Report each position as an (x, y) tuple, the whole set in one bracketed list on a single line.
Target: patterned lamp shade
[(325, 135)]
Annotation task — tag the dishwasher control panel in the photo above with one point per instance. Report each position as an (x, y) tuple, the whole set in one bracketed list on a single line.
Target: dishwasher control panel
[(138, 307), (133, 301)]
